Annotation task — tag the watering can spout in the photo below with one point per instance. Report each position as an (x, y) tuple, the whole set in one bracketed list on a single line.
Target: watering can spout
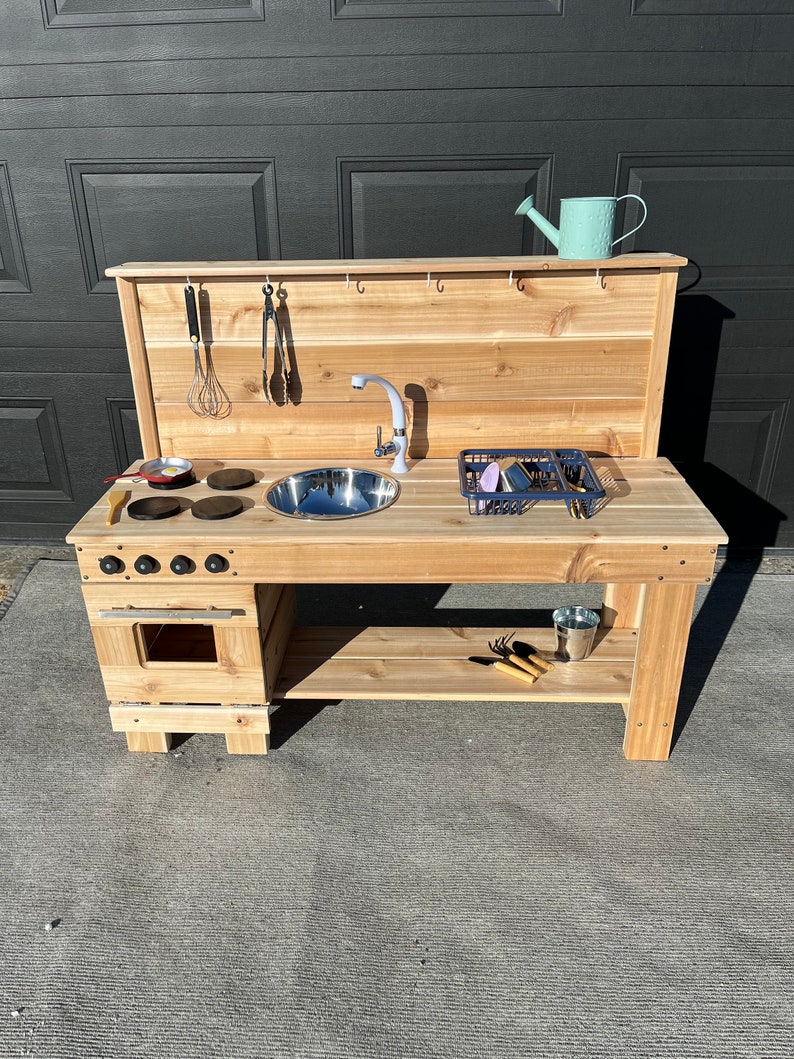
[(527, 208)]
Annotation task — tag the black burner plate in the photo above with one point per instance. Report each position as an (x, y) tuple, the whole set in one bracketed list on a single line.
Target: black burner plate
[(231, 478), (216, 507), (153, 507)]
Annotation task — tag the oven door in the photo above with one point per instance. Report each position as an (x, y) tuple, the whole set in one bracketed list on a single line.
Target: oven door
[(167, 645)]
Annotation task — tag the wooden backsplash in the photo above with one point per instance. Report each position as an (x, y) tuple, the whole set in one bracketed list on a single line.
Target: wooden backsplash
[(527, 352)]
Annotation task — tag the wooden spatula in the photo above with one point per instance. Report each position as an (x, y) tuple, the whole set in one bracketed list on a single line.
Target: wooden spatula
[(117, 498)]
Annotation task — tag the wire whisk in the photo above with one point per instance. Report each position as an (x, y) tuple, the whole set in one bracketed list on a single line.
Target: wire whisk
[(206, 396)]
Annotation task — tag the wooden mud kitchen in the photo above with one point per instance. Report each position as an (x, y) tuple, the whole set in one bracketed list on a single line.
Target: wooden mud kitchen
[(245, 379)]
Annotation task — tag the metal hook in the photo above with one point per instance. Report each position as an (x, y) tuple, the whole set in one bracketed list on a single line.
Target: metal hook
[(347, 281), (360, 286), (520, 283), (439, 286), (510, 279), (600, 280), (428, 280), (187, 282)]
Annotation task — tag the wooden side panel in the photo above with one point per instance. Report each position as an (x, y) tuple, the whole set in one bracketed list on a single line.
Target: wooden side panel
[(186, 683), (136, 351), (657, 368)]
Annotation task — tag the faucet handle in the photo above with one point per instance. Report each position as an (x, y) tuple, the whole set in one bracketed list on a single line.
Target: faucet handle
[(380, 449)]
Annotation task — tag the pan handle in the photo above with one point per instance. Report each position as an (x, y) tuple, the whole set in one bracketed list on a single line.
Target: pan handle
[(129, 474)]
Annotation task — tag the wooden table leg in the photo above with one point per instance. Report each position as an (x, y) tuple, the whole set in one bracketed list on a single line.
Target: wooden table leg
[(247, 742), (159, 742), (664, 632), (622, 606)]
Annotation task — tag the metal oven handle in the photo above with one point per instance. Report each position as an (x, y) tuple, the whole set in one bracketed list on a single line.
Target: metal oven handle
[(163, 614)]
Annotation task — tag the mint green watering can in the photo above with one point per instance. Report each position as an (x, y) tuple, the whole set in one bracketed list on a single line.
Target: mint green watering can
[(587, 226)]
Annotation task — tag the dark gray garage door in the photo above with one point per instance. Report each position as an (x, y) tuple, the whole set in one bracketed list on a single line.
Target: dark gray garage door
[(179, 129)]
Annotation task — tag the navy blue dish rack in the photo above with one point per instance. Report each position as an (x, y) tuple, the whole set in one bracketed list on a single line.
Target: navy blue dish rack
[(556, 474)]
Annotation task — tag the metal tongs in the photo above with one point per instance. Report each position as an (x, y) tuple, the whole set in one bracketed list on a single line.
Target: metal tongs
[(270, 314)]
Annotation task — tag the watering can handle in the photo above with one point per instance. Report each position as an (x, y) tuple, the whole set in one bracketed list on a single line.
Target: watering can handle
[(644, 218)]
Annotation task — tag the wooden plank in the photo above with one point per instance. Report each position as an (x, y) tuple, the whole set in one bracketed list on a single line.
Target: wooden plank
[(392, 266), (193, 718), (136, 352), (437, 642), (399, 265), (622, 607), (238, 649), (152, 593), (424, 371), (341, 432), (666, 617), (657, 370), (548, 305), (115, 645), (275, 631), (447, 680), (183, 682), (433, 663)]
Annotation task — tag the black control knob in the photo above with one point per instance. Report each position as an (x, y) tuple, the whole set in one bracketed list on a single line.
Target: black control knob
[(215, 563), (111, 564), (181, 564), (145, 564)]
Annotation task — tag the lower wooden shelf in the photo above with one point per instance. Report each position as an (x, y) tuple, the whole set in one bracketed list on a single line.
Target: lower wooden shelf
[(432, 663)]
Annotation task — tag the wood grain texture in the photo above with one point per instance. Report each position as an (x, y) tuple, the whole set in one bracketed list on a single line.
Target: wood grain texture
[(657, 369), (343, 431), (664, 633), (398, 266), (482, 351), (651, 525), (220, 718), (136, 352), (148, 742), (431, 663), (424, 370)]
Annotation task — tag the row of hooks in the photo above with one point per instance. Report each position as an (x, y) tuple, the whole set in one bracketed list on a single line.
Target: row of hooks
[(600, 280)]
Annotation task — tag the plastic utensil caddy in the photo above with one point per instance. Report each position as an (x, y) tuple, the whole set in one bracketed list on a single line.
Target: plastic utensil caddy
[(554, 473)]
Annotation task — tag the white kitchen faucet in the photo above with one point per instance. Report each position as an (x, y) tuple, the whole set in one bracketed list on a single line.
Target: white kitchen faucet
[(398, 446)]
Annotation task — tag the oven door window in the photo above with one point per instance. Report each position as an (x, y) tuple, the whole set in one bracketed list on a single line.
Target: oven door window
[(181, 642)]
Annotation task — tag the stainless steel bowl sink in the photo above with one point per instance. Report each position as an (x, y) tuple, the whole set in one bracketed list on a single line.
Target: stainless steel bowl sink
[(332, 493)]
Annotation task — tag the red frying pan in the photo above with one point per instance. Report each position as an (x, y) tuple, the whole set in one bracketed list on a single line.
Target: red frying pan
[(164, 470)]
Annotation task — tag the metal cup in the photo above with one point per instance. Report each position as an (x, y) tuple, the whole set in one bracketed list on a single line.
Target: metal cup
[(513, 477), (575, 628)]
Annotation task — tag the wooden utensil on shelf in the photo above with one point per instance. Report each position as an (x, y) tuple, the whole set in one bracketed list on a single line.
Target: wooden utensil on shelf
[(117, 498), (504, 667)]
